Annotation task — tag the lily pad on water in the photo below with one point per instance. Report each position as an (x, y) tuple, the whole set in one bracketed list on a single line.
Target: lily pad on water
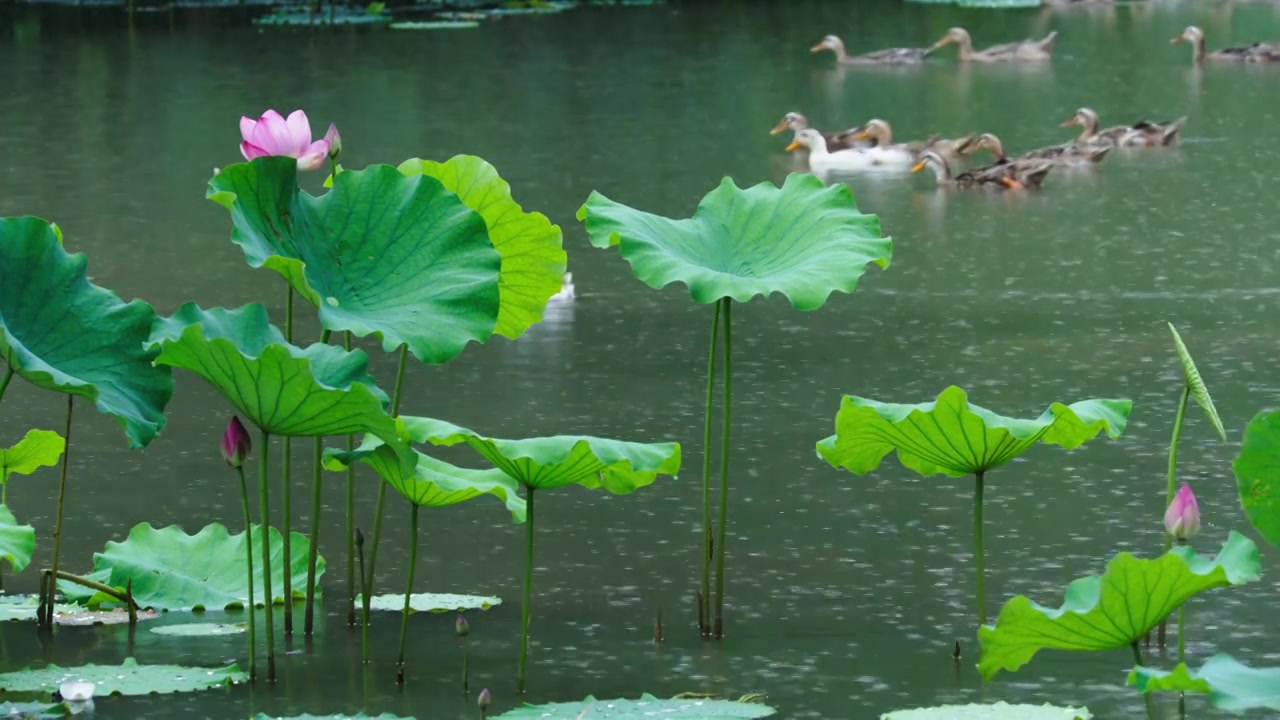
[(127, 678), (804, 240), (1257, 470), (998, 711), (199, 629), (1115, 610), (359, 716), (1231, 685), (430, 602), (18, 607), (375, 244), (61, 332), (90, 618), (172, 570), (646, 707), (435, 25), (17, 542), (33, 710)]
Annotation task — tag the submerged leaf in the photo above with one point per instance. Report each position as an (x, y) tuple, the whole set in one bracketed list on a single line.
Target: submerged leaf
[(950, 436), (91, 618), (381, 253), (804, 240), (533, 257), (200, 629), (550, 462), (17, 542), (127, 678), (1257, 470), (1231, 685), (1115, 610), (39, 448), (172, 570), (998, 711), (1195, 385), (646, 707), (61, 332), (430, 602)]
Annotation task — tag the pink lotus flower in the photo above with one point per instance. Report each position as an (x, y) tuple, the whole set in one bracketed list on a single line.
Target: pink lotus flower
[(274, 135), (1182, 519)]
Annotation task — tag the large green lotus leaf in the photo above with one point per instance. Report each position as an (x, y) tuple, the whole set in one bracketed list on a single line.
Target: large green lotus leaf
[(550, 462), (646, 707), (430, 602), (434, 483), (1115, 610), (127, 678), (1231, 685), (1195, 383), (172, 570), (62, 332), (17, 542), (804, 240), (998, 711), (381, 253), (39, 448), (358, 716), (1257, 470), (951, 437), (533, 257)]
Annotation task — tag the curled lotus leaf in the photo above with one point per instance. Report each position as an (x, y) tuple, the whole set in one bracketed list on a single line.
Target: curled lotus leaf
[(950, 436), (1195, 384), (804, 240), (61, 332), (17, 542), (430, 602), (1231, 685), (1115, 610), (549, 462), (1257, 470), (647, 706), (382, 253), (996, 711), (127, 678)]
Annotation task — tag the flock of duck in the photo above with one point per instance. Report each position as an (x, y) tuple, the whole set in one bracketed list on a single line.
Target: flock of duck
[(870, 146)]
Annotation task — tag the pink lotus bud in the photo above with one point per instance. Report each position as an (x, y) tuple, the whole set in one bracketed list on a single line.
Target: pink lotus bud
[(235, 443), (484, 699), (274, 135), (1182, 519), (461, 626), (335, 141)]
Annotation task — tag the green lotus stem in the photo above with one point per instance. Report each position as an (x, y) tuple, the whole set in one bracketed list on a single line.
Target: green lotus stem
[(364, 590), (248, 552), (977, 545), (528, 590), (313, 553), (4, 384), (408, 591), (62, 496), (1182, 616), (1170, 491), (704, 600), (266, 555), (351, 522), (724, 471), (1137, 661), (91, 584), (377, 510), (286, 480)]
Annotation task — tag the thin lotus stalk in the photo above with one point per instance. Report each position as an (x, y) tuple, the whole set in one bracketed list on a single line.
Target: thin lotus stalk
[(62, 497), (263, 510), (977, 546), (1137, 663), (704, 599), (4, 384), (1182, 626), (286, 480), (1172, 490), (248, 553), (313, 555), (382, 499), (408, 591), (723, 528), (364, 590), (351, 522), (528, 591)]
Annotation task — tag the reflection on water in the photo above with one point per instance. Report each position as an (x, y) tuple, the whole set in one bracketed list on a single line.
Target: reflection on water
[(846, 593)]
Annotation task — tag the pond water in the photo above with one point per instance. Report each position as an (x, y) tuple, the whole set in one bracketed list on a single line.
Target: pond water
[(846, 593)]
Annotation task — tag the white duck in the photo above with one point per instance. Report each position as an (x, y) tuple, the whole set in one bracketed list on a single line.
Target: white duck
[(871, 158)]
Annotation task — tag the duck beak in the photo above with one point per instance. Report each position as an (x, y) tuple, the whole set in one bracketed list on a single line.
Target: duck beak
[(1178, 38), (818, 48), (918, 167), (794, 144), (780, 127), (1068, 122), (946, 40), (860, 135)]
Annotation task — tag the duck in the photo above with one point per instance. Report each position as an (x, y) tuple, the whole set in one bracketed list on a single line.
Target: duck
[(1004, 178), (1143, 133), (891, 56), (1064, 154), (1257, 52), (822, 161), (881, 133), (1023, 50), (842, 140)]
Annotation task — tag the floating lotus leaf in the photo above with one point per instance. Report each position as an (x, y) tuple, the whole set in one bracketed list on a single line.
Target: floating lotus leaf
[(949, 436), (1231, 685), (998, 711), (804, 240), (550, 462), (1257, 470), (434, 483), (17, 542), (91, 618), (439, 25), (430, 602), (1196, 384), (200, 629), (172, 570), (360, 716), (127, 678), (645, 708), (381, 253), (39, 448), (533, 257), (33, 710), (62, 332), (1115, 610), (18, 607)]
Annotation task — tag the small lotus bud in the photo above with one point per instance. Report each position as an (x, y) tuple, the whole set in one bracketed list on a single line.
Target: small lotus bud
[(1182, 519), (484, 700), (359, 538), (461, 626), (235, 443), (334, 140)]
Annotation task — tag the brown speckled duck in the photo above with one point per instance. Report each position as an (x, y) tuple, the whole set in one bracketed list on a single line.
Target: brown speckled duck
[(1257, 52), (1023, 50), (891, 56), (842, 140), (1143, 133)]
